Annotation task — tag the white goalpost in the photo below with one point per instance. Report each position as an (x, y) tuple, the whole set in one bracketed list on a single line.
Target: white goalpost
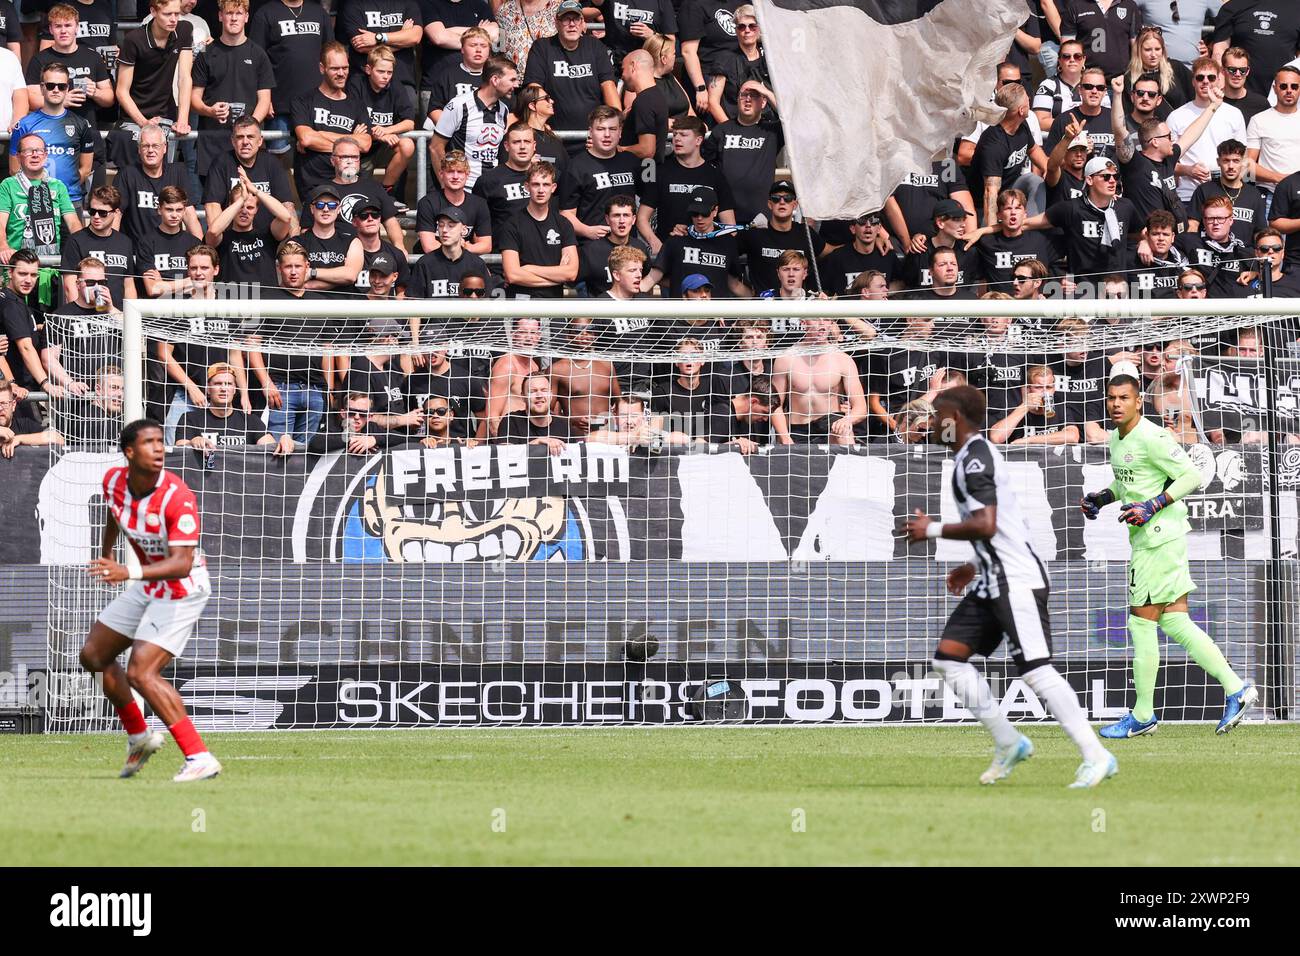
[(669, 559)]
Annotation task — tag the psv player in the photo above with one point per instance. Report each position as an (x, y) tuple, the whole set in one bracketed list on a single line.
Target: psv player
[(156, 613)]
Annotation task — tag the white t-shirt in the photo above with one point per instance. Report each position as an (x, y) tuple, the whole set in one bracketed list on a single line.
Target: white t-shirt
[(1277, 137), (1227, 123), (11, 78)]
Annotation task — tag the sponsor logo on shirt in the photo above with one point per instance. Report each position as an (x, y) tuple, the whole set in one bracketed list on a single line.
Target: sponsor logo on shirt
[(299, 28), (165, 263), (375, 19), (572, 71), (323, 117), (1008, 260), (694, 256), (736, 141), (974, 467), (110, 261), (622, 326), (186, 524), (380, 119), (443, 288)]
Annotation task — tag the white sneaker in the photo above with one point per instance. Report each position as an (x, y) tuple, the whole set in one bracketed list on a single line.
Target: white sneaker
[(140, 751), (198, 768), (1005, 759), (1090, 775)]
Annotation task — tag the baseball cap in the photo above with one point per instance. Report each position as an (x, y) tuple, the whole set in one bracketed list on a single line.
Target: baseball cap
[(219, 368), (324, 189), (949, 209), (383, 263), (695, 281), (368, 203), (1125, 368), (702, 200), (568, 6), (782, 186), (1098, 164), (454, 213), (1080, 142)]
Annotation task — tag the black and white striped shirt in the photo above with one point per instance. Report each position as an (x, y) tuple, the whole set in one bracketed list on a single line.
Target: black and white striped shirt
[(475, 128), (980, 478)]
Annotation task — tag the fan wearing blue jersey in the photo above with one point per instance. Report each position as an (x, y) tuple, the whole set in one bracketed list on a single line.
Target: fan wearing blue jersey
[(1007, 597), (69, 137)]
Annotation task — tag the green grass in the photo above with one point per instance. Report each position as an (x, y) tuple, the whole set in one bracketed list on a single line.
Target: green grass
[(871, 795)]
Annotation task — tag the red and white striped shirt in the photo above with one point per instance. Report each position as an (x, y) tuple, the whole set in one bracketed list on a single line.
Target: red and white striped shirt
[(168, 515)]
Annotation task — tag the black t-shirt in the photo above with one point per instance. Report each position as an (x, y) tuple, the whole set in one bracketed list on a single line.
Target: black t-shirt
[(266, 173), (85, 425), (292, 38), (900, 375), (328, 116), (649, 114), (713, 23), (1105, 36), (589, 181), (1035, 423), (301, 331), (839, 268), (670, 397), (1247, 207), (235, 430), (1083, 227), (1098, 128), (230, 74), (1223, 266), (659, 15), (716, 259), (387, 107), (672, 188), (165, 252), (86, 68), (115, 250), (1068, 187), (1286, 205), (450, 13), (362, 285), (999, 255), (518, 428), (434, 276), (1161, 280), (1082, 389), (155, 67), (1149, 184), (328, 252), (86, 344), (248, 257), (140, 196), (379, 16), (474, 208), (352, 195), (1000, 374), (724, 426), (765, 246), (916, 265), (195, 358), (450, 81), (19, 324), (572, 78), (593, 263), (537, 243), (462, 384), (747, 156), (1250, 104), (919, 193), (1268, 30), (502, 188), (385, 384), (1000, 154)]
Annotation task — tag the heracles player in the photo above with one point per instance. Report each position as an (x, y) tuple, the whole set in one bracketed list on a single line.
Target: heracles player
[(1152, 476), (1007, 597), (157, 612)]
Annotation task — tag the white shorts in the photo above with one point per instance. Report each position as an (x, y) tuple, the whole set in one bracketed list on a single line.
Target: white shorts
[(162, 621)]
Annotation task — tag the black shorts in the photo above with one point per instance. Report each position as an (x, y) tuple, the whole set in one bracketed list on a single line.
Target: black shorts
[(1018, 614), (815, 432)]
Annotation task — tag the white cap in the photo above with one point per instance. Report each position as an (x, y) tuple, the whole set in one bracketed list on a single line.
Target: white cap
[(1081, 140), (1125, 368), (1099, 164)]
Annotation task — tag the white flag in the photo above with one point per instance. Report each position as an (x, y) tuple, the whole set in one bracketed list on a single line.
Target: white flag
[(872, 90)]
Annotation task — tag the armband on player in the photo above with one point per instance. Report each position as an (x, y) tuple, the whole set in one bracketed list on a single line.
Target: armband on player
[(934, 529), (1093, 502)]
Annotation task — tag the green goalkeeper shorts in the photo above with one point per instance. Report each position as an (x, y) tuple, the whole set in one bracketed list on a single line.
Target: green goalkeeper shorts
[(1159, 575)]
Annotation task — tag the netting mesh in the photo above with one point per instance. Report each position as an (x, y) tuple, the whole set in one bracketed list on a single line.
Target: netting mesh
[(554, 521)]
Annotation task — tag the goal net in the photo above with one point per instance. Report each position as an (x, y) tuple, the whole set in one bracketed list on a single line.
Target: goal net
[(658, 512)]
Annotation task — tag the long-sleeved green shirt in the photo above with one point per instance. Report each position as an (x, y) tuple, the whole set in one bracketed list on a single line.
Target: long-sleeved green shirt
[(1146, 462)]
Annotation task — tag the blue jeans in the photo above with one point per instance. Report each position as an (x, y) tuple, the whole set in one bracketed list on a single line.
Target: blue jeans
[(177, 410), (300, 412)]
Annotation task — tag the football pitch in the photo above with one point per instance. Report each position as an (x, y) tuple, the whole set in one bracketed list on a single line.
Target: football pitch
[(698, 796)]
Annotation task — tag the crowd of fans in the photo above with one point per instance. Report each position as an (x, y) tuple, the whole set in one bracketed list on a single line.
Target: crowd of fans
[(1139, 154)]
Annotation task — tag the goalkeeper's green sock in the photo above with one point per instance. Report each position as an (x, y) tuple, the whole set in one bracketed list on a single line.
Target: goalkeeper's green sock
[(1201, 649), (1146, 665)]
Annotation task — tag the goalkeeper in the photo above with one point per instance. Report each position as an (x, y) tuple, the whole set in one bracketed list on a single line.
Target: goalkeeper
[(1152, 475)]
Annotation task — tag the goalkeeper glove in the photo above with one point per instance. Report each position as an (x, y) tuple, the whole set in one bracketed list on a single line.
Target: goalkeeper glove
[(1093, 502), (1138, 513)]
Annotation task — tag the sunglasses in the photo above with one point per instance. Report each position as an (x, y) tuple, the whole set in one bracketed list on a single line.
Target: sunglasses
[(1288, 86), (55, 87), (1146, 94), (1071, 56), (326, 204), (1018, 279), (1268, 248), (100, 212), (437, 411), (1092, 86), (1109, 177), (1205, 77), (476, 293), (782, 197), (1237, 70), (366, 214), (1192, 287), (746, 26)]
